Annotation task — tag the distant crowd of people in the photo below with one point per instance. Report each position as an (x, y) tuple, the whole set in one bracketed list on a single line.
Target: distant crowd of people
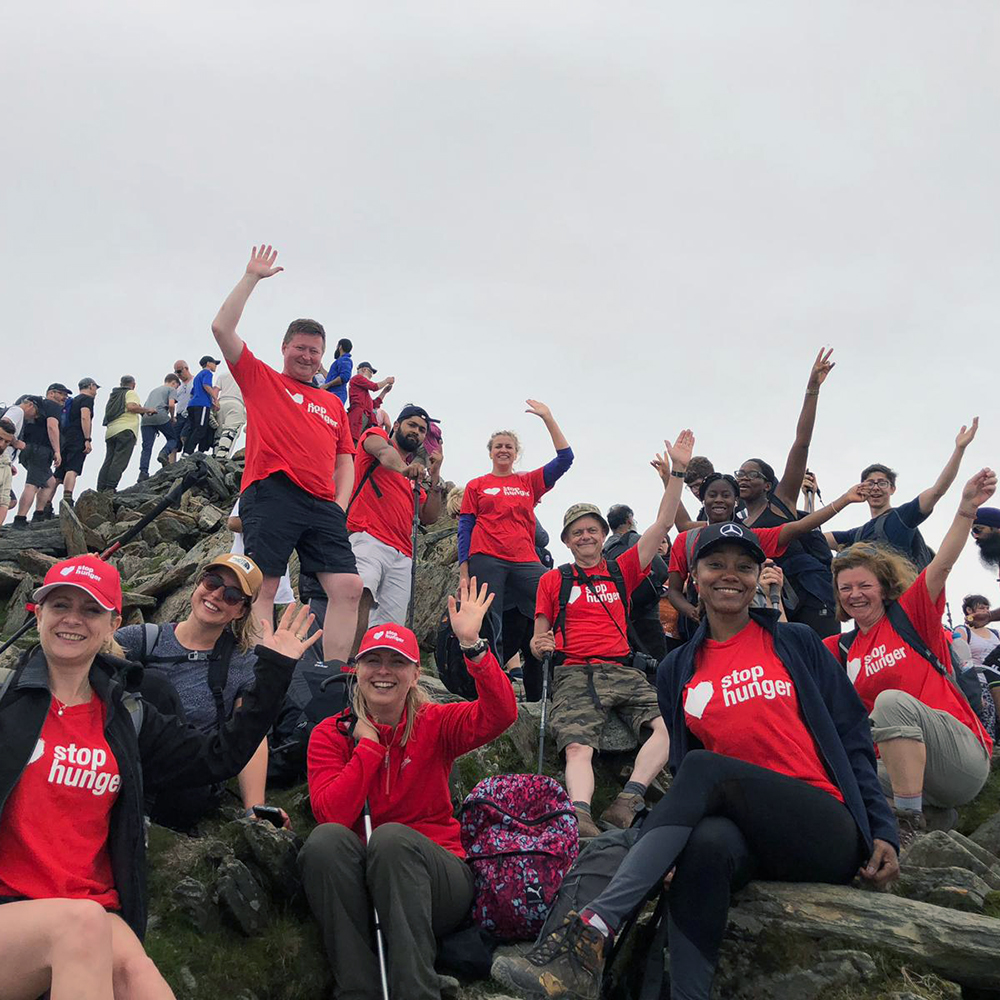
[(720, 647)]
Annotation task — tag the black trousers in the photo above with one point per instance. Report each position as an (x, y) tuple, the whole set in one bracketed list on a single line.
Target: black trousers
[(722, 823), (200, 434)]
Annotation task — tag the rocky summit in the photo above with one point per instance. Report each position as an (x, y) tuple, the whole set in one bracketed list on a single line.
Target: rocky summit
[(228, 918)]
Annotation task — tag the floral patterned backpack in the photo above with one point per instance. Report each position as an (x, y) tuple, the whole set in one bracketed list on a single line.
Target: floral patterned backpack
[(521, 837)]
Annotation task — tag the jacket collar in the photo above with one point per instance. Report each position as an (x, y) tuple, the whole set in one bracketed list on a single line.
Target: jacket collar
[(104, 672)]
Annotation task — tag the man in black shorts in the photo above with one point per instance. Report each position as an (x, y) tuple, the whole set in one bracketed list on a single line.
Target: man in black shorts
[(76, 437), (299, 469), (41, 437)]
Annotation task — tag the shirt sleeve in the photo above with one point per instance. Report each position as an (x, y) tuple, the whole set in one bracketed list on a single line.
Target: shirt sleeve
[(340, 774), (345, 442), (554, 469), (768, 538), (926, 617), (245, 370), (360, 382), (466, 522), (632, 572), (535, 481), (470, 498), (844, 537), (547, 595), (910, 513), (678, 555), (132, 397)]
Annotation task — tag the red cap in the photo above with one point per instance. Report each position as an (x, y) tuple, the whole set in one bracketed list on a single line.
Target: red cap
[(93, 575), (391, 637)]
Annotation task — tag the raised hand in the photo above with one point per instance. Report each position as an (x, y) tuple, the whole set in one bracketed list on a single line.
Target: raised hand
[(538, 408), (822, 367), (679, 453), (965, 436), (262, 260), (290, 637), (978, 490), (809, 484), (856, 494), (434, 464), (468, 612)]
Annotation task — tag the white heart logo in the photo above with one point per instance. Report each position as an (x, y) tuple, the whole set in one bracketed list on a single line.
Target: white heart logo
[(37, 752), (378, 635), (574, 594), (853, 669), (492, 491), (66, 570), (698, 698), (296, 397)]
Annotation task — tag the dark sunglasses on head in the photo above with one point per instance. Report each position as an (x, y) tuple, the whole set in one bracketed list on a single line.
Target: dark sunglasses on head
[(231, 595)]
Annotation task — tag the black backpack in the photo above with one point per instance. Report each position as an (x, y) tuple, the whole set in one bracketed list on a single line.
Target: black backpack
[(451, 661), (115, 406), (920, 553), (965, 681)]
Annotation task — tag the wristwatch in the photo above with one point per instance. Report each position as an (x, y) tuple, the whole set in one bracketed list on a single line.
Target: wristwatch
[(678, 475), (476, 649)]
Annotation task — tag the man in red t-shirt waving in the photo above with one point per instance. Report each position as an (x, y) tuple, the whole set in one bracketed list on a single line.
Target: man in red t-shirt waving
[(299, 463), (586, 630)]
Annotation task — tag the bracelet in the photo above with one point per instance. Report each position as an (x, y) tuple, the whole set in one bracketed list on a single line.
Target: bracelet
[(679, 475), (812, 392)]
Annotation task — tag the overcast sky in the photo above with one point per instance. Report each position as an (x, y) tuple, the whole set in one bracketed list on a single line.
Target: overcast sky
[(649, 216)]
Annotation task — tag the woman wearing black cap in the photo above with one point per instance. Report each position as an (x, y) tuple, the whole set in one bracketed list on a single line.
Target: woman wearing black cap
[(764, 725)]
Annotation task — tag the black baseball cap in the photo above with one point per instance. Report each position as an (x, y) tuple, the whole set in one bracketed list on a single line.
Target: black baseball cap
[(368, 364), (208, 358), (412, 410), (85, 382), (58, 387), (714, 535)]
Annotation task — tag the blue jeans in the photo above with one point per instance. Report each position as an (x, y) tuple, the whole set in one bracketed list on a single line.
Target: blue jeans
[(149, 432), (173, 435)]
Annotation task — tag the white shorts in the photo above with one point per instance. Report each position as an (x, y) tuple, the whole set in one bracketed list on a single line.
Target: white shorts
[(385, 573)]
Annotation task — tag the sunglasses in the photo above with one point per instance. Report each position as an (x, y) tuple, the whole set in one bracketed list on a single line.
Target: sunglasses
[(231, 595), (180, 371)]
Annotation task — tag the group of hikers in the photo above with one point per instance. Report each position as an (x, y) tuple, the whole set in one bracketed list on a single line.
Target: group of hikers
[(756, 701)]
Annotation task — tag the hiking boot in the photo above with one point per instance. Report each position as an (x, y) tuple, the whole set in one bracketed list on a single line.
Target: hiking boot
[(49, 513), (20, 521), (624, 810), (163, 460), (143, 476), (588, 828), (569, 962), (38, 517), (911, 825)]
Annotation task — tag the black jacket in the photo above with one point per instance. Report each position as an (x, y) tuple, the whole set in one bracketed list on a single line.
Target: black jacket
[(831, 710), (166, 753), (645, 599)]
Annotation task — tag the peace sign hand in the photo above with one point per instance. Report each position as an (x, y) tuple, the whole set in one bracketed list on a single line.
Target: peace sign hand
[(468, 612), (822, 367), (289, 639), (262, 262)]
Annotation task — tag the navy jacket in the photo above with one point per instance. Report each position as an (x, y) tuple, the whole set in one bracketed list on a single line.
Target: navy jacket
[(831, 709)]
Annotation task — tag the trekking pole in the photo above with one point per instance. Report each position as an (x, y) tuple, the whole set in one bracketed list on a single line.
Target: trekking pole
[(380, 944), (413, 567), (171, 496), (546, 663)]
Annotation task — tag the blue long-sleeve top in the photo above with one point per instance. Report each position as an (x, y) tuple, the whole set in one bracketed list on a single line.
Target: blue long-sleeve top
[(551, 473)]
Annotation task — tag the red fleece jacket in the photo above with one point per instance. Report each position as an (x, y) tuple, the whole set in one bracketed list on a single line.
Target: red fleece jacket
[(408, 784)]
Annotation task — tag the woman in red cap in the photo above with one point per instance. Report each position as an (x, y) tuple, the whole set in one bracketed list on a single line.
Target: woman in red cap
[(395, 751), (78, 753)]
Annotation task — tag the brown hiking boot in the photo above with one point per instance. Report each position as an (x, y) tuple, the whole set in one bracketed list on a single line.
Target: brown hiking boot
[(588, 828), (911, 825), (569, 962), (623, 811)]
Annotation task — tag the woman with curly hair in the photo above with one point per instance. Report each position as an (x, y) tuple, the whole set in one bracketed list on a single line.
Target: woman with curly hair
[(931, 743)]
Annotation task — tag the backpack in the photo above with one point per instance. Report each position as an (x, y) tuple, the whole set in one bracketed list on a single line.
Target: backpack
[(965, 680), (520, 835), (920, 553), (115, 406), (64, 416), (218, 659), (450, 660)]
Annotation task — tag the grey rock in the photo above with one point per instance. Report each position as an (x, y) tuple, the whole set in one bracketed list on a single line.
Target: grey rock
[(988, 835), (17, 613), (167, 581), (36, 563), (956, 888), (132, 599), (188, 981), (95, 510), (241, 899), (192, 898), (45, 537), (209, 518), (939, 850), (988, 857), (958, 946), (73, 531), (272, 852), (832, 970), (434, 584), (10, 578)]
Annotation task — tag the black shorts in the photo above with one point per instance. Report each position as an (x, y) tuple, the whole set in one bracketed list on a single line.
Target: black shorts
[(279, 517), (37, 461), (73, 457)]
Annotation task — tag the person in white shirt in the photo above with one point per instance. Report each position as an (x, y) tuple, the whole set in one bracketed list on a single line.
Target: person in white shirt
[(232, 415)]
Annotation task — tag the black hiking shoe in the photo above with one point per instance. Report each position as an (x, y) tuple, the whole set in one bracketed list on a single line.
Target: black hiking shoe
[(569, 962), (20, 521), (143, 476)]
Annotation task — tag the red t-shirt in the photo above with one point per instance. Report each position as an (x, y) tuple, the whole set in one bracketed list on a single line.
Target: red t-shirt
[(880, 660), (741, 702), (505, 514), (388, 518), (292, 427), (768, 538), (54, 826), (590, 633)]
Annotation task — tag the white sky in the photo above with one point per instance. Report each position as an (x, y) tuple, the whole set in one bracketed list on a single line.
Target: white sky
[(648, 215)]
